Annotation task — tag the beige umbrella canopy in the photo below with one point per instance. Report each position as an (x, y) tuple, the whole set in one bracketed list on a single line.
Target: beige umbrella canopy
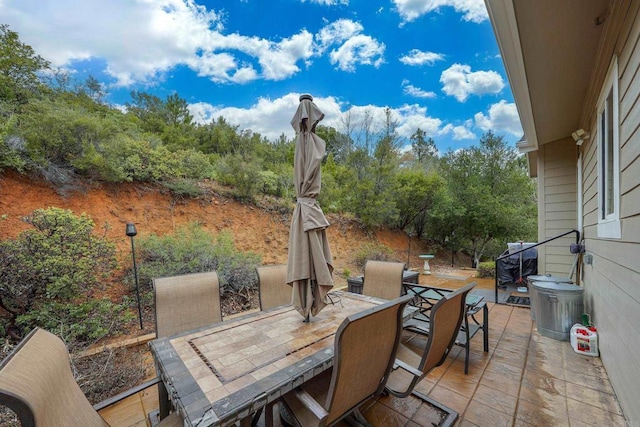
[(310, 263)]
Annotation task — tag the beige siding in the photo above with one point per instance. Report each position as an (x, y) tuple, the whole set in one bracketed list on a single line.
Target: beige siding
[(557, 195), (612, 281)]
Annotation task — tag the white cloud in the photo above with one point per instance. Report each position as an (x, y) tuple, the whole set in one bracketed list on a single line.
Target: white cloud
[(271, 117), (471, 10), (280, 61), (460, 82), (338, 32), (412, 90), (141, 41), (360, 49), (417, 57), (502, 117), (355, 48), (458, 132), (268, 117)]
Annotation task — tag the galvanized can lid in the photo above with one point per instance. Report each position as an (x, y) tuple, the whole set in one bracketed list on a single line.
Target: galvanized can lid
[(557, 287)]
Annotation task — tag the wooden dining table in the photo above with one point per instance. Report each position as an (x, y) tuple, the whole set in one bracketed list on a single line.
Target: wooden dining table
[(228, 371)]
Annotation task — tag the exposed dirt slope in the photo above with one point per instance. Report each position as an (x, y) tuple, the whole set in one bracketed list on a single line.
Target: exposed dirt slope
[(154, 211)]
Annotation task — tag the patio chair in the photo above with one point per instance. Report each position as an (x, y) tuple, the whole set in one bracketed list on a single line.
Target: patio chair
[(183, 303), (364, 351), (36, 382), (383, 279), (186, 302), (272, 286), (445, 320)]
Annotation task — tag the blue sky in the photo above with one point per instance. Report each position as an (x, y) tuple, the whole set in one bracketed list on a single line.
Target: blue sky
[(434, 63)]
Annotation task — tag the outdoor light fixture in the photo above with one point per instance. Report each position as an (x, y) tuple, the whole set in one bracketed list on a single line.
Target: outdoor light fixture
[(131, 232), (579, 136)]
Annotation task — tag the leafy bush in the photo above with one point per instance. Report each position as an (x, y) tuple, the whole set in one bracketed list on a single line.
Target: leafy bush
[(183, 188), (373, 251), (49, 273), (242, 174), (486, 270), (193, 249)]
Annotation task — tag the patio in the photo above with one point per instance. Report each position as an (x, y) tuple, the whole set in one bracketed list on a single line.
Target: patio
[(525, 380)]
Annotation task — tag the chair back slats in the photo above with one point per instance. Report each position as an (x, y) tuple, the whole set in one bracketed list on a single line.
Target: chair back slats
[(272, 286), (186, 302), (36, 382), (365, 345), (383, 279)]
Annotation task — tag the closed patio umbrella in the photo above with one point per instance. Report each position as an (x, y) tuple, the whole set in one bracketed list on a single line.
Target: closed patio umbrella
[(310, 263)]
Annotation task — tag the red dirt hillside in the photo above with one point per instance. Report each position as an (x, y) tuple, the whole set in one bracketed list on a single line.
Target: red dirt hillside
[(154, 212)]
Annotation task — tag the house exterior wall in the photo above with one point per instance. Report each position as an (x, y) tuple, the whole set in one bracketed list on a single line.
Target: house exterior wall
[(612, 280), (557, 200)]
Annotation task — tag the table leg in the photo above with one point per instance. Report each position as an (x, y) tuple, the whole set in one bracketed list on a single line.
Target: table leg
[(485, 327), (163, 397)]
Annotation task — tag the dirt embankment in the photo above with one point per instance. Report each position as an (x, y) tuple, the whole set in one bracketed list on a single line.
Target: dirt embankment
[(156, 212)]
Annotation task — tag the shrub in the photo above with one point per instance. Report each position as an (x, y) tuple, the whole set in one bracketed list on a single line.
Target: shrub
[(373, 251), (192, 249), (486, 270), (242, 174), (49, 273), (183, 188)]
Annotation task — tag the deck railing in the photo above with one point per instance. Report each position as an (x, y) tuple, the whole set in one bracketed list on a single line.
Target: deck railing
[(527, 248)]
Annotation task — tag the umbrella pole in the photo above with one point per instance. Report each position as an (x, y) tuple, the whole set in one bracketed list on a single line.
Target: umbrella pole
[(306, 319)]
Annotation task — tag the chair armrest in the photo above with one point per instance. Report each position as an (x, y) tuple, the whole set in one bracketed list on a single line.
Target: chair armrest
[(311, 404), (413, 371), (118, 397)]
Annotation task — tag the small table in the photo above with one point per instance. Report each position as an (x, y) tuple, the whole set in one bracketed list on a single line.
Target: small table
[(426, 267), (425, 298), (226, 372)]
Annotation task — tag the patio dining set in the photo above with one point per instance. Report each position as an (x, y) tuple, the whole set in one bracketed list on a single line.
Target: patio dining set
[(215, 372)]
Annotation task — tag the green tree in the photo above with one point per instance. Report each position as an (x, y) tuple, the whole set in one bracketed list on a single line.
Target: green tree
[(339, 145), (495, 199), (415, 196), (48, 274), (19, 67), (423, 149)]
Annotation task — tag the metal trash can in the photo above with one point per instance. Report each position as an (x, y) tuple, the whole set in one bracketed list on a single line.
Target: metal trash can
[(558, 307), (533, 295)]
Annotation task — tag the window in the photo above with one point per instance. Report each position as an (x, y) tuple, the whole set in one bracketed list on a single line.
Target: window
[(608, 157)]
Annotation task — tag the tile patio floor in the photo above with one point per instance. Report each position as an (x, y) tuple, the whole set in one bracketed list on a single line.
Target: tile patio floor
[(525, 380)]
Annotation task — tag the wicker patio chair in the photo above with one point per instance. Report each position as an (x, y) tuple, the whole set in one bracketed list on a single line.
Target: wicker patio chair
[(364, 351), (36, 382), (186, 302), (446, 317), (383, 279), (272, 286)]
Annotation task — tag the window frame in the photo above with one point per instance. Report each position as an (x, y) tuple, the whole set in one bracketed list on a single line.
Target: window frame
[(608, 153)]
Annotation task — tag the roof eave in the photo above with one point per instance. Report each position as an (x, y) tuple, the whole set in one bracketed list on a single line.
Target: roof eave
[(505, 26)]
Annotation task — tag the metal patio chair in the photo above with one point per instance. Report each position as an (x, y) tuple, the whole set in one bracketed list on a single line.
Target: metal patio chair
[(364, 352), (445, 320), (186, 302), (36, 382), (183, 303), (383, 279), (272, 286)]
